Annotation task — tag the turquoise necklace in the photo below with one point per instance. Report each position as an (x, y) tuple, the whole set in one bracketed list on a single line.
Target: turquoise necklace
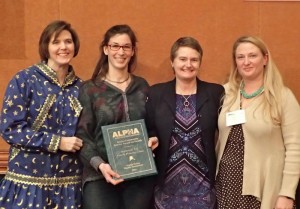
[(252, 95)]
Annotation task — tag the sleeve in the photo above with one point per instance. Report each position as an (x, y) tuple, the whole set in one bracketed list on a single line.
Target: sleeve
[(85, 130), (14, 126), (150, 113), (291, 134)]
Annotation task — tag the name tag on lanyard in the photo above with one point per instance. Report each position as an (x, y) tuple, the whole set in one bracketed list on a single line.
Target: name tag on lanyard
[(235, 117)]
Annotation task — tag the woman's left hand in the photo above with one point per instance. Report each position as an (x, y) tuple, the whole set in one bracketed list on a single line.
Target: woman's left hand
[(284, 203), (153, 142)]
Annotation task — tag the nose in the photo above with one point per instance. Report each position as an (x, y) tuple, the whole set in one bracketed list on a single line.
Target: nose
[(121, 50), (188, 63), (246, 61), (63, 45)]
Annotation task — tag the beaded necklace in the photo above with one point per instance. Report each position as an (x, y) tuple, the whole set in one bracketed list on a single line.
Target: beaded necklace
[(252, 95)]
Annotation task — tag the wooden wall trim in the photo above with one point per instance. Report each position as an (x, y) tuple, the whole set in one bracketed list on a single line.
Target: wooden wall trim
[(3, 161)]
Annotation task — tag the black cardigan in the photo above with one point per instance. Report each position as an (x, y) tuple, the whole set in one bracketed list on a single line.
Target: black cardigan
[(160, 108)]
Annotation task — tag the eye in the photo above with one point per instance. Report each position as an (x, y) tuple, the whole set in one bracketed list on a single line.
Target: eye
[(55, 42), (127, 47), (69, 41), (115, 47), (252, 55), (240, 57)]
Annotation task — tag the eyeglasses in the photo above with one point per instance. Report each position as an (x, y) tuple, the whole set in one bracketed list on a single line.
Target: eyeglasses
[(115, 47)]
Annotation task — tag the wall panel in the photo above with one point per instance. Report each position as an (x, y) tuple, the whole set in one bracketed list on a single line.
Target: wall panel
[(215, 23)]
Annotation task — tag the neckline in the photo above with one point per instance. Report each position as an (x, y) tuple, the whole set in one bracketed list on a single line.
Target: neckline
[(118, 82), (251, 95)]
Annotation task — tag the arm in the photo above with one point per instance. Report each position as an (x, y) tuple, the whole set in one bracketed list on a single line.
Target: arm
[(85, 129), (150, 120), (291, 134), (15, 125)]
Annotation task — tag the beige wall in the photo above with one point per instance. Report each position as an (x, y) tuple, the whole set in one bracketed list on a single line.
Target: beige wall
[(158, 23)]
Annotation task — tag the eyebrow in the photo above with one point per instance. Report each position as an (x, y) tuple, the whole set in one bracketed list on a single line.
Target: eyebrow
[(120, 44)]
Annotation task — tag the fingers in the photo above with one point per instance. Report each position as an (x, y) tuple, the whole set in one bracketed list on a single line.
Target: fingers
[(70, 144), (153, 142), (284, 203), (77, 144), (115, 182), (109, 175), (113, 178)]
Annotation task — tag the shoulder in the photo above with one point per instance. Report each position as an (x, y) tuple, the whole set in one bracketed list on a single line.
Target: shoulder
[(86, 85), (212, 88), (162, 87), (288, 96), (26, 72), (25, 75), (139, 80)]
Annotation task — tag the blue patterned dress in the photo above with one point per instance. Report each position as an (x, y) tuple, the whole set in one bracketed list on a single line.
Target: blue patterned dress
[(186, 185), (36, 112)]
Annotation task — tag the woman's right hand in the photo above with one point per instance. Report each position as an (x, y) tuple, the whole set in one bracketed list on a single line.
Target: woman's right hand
[(70, 144), (109, 175)]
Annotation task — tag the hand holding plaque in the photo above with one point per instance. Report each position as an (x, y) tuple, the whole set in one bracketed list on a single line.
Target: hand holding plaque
[(127, 149), (110, 176)]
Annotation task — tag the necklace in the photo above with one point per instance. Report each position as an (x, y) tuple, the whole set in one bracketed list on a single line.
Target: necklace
[(252, 95), (119, 82), (186, 102)]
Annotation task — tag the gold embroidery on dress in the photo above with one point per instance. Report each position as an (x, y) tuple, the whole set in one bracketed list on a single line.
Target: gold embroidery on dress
[(52, 75), (48, 72), (42, 181), (70, 78), (54, 143), (75, 105), (14, 153), (44, 111)]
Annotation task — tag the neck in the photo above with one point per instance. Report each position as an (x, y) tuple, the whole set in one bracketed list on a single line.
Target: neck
[(186, 88), (116, 77), (253, 90), (61, 74), (250, 86)]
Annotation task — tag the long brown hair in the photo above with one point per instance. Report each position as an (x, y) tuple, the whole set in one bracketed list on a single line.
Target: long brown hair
[(102, 65)]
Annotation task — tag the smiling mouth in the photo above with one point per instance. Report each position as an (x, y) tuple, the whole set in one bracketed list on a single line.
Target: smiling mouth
[(63, 54), (121, 59), (188, 70)]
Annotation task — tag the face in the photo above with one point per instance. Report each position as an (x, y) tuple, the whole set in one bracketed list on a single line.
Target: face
[(61, 50), (250, 61), (119, 57), (186, 63)]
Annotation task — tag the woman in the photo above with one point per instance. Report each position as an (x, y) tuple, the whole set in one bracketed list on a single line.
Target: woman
[(113, 95), (38, 119), (183, 114), (258, 148)]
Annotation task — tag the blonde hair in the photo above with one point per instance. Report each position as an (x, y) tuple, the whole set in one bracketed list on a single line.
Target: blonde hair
[(273, 83)]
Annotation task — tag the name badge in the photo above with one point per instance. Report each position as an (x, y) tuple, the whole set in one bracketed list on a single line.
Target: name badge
[(235, 117)]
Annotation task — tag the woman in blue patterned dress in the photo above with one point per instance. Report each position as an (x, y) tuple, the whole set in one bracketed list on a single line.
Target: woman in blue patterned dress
[(183, 114), (38, 120)]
